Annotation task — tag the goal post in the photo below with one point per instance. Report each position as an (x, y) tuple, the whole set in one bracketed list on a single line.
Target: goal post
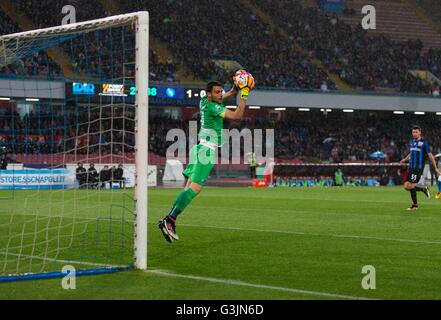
[(141, 129), (52, 119)]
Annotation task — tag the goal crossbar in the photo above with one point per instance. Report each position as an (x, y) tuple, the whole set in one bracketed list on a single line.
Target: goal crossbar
[(96, 24)]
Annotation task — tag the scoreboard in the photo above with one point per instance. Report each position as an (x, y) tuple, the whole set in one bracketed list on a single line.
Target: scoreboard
[(158, 94)]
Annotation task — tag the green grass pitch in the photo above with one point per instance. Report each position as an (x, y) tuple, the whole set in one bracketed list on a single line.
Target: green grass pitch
[(241, 243)]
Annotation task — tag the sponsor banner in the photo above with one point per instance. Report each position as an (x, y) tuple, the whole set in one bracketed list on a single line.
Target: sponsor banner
[(83, 88), (62, 178), (37, 179), (113, 90)]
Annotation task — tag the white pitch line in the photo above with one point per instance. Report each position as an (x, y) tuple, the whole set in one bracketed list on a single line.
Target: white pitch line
[(258, 286), (406, 203), (317, 234)]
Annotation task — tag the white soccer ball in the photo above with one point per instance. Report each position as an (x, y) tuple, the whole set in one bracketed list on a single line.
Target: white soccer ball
[(241, 79)]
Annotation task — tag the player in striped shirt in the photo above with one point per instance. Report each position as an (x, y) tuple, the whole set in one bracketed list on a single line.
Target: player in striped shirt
[(419, 152)]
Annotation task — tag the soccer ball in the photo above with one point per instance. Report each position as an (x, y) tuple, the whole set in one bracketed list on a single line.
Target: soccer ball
[(243, 79)]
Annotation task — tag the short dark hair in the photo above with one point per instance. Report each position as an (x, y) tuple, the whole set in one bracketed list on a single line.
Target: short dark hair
[(416, 127), (212, 84)]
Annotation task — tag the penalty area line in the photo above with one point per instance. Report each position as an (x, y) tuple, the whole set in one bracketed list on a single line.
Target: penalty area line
[(254, 285)]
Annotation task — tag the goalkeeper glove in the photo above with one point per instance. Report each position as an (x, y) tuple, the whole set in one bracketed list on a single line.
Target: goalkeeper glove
[(244, 92)]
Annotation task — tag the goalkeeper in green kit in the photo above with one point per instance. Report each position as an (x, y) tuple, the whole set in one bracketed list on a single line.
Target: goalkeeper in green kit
[(203, 155)]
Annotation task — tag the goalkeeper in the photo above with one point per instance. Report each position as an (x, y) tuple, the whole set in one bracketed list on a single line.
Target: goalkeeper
[(203, 155)]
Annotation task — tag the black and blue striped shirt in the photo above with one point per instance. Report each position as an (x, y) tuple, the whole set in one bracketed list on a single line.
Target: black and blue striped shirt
[(419, 149)]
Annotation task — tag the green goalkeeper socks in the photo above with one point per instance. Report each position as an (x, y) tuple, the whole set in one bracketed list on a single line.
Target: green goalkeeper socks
[(182, 201)]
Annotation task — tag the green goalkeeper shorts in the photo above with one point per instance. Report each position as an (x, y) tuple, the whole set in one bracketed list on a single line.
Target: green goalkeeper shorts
[(202, 160)]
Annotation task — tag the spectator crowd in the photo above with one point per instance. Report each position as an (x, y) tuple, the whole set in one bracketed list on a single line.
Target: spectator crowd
[(301, 137), (107, 53), (279, 56), (318, 137), (79, 130), (358, 58)]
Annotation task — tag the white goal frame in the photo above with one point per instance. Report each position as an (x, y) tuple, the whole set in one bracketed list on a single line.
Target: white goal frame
[(140, 20)]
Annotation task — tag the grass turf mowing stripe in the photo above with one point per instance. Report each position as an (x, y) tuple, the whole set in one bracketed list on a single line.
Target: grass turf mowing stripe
[(330, 213), (321, 198), (315, 234), (258, 286)]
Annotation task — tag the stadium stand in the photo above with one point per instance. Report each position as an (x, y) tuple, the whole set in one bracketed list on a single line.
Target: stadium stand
[(7, 25), (344, 49), (432, 10), (300, 137), (333, 137), (262, 50), (98, 56), (359, 58), (397, 20), (39, 65)]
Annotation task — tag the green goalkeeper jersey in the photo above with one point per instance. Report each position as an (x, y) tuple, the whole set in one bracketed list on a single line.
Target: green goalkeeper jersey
[(212, 122)]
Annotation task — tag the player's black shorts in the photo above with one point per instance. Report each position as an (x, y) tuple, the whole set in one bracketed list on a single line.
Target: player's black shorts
[(414, 175)]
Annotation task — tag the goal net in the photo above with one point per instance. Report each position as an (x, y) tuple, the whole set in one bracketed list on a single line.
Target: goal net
[(73, 148)]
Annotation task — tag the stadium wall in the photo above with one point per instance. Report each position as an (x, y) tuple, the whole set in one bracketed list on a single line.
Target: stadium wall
[(12, 88), (339, 100)]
